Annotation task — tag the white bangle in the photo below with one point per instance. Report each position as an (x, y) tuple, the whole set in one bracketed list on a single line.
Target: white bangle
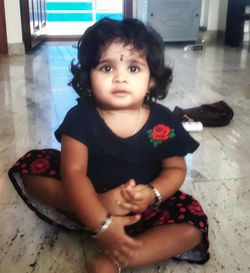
[(102, 227), (157, 195)]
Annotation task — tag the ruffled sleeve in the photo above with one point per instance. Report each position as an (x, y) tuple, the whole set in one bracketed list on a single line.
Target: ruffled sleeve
[(167, 136), (75, 124)]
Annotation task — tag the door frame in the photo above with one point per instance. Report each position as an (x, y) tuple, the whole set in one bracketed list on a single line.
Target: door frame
[(31, 37), (3, 34), (128, 8)]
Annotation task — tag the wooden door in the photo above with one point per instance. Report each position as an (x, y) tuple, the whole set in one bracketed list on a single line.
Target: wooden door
[(3, 36), (33, 16), (236, 17)]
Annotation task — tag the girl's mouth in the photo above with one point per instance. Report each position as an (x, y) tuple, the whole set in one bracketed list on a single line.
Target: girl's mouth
[(120, 93)]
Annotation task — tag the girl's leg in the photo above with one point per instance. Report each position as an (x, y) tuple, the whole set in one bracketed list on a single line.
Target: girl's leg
[(165, 242), (158, 244), (47, 190)]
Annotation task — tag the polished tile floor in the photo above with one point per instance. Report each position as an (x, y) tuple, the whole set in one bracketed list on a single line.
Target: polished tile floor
[(34, 98)]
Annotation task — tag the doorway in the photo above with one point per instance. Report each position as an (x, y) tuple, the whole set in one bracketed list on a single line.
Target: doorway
[(33, 19), (73, 17), (3, 35), (65, 19)]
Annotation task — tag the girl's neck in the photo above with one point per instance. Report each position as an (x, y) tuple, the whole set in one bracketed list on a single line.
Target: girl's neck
[(124, 122), (106, 112)]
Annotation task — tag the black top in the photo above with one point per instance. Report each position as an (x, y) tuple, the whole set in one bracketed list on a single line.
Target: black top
[(114, 160)]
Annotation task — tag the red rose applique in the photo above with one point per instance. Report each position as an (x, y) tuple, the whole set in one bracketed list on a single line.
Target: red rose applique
[(160, 133)]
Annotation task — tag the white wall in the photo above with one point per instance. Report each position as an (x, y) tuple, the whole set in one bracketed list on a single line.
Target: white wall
[(204, 13), (223, 14), (217, 14), (13, 21)]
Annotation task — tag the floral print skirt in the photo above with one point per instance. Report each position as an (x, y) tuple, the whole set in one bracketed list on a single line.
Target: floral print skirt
[(180, 208)]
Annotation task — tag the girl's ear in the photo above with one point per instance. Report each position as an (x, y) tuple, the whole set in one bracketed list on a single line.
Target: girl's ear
[(151, 84)]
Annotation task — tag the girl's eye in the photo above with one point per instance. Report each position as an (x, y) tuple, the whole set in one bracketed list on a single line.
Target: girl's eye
[(106, 68), (134, 68)]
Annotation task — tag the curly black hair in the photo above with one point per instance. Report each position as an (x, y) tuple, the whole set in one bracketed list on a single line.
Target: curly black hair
[(129, 32)]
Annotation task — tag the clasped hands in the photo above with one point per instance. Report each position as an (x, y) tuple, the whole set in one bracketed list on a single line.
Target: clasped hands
[(128, 197), (119, 202)]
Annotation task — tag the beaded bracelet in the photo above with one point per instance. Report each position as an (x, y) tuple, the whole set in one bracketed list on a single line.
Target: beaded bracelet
[(157, 195), (102, 227)]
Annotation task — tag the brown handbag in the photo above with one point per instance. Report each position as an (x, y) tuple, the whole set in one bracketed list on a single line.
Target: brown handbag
[(210, 115)]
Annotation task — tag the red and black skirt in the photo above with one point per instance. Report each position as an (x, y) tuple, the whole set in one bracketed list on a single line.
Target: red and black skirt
[(180, 208)]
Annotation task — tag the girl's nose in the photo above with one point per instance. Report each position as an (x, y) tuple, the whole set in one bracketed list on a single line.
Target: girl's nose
[(120, 76)]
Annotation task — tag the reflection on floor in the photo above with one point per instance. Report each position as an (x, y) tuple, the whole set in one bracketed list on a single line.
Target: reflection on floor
[(34, 98)]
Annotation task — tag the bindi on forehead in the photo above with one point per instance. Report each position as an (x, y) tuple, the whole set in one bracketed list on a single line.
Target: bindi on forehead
[(121, 57)]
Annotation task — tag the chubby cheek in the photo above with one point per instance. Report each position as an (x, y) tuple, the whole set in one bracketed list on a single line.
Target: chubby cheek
[(95, 82), (99, 80), (146, 85)]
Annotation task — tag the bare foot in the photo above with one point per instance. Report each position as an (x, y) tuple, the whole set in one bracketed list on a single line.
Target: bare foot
[(101, 264)]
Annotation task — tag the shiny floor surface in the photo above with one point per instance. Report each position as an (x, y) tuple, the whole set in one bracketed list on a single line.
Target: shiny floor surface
[(34, 98)]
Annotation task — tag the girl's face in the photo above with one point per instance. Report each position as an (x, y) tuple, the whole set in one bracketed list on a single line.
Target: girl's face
[(121, 79)]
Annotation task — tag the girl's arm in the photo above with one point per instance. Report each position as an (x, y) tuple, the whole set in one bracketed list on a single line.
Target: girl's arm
[(167, 183), (74, 167), (82, 196), (171, 177)]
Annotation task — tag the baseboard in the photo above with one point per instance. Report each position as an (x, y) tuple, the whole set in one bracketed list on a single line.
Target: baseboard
[(213, 36), (52, 38), (16, 49)]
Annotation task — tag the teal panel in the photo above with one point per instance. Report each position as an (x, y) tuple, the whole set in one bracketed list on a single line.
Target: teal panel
[(68, 6), (116, 16), (69, 17)]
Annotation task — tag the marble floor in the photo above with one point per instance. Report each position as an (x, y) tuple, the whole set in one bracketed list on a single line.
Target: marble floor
[(34, 98)]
